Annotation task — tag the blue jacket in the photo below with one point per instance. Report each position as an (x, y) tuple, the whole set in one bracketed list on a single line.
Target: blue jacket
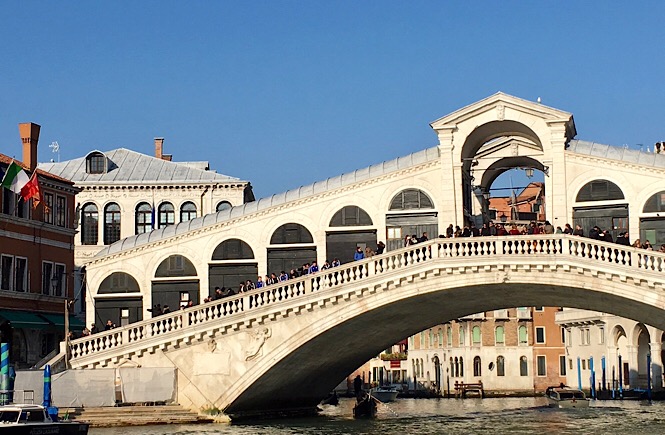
[(358, 256)]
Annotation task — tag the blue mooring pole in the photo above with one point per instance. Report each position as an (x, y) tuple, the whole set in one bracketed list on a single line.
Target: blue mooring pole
[(614, 382), (579, 373), (47, 386), (604, 379), (593, 378), (649, 376)]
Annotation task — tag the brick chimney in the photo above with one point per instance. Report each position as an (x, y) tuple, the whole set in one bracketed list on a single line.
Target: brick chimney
[(159, 147), (29, 136)]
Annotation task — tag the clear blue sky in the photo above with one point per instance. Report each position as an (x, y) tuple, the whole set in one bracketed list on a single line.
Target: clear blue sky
[(285, 93)]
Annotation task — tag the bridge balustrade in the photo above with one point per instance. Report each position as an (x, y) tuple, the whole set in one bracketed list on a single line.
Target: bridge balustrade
[(498, 248)]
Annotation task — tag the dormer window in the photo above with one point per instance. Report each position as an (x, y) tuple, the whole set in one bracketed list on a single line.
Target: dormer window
[(95, 163)]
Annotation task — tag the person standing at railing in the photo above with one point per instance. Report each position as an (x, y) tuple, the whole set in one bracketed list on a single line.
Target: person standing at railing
[(578, 231), (359, 255), (314, 267), (259, 282), (622, 239), (380, 247), (548, 228), (283, 276), (335, 262)]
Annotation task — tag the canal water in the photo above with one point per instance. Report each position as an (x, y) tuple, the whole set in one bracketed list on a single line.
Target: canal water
[(444, 416)]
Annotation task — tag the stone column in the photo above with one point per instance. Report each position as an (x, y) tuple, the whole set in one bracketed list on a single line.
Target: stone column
[(631, 359), (656, 366), (556, 185), (450, 207)]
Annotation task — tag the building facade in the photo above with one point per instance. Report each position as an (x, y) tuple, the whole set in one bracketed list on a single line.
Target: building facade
[(125, 193), (36, 259)]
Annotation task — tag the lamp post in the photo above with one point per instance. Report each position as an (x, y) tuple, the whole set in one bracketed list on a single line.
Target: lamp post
[(503, 218), (55, 281)]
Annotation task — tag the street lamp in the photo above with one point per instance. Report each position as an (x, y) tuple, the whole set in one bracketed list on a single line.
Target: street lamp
[(503, 218)]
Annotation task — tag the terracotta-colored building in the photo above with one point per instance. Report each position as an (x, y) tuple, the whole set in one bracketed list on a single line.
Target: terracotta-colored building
[(36, 259), (525, 206)]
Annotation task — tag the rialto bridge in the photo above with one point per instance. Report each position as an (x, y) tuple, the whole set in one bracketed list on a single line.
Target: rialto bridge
[(247, 353)]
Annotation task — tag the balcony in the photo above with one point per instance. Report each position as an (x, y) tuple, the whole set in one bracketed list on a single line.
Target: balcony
[(501, 314), (401, 356), (524, 313), (477, 316)]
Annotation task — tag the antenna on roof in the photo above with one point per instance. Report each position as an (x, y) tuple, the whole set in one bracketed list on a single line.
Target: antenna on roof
[(538, 100), (55, 148)]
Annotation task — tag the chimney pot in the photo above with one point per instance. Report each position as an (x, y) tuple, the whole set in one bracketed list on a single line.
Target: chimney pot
[(159, 147), (29, 133)]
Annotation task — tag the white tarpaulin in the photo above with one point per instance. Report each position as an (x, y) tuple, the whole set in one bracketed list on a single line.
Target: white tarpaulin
[(145, 384), (27, 380), (79, 388)]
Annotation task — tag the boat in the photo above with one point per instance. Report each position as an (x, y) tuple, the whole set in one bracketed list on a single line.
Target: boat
[(28, 419), (566, 397), (365, 406), (385, 393), (332, 399)]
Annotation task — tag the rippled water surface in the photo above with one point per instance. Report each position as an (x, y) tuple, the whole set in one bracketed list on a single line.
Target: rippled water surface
[(443, 416)]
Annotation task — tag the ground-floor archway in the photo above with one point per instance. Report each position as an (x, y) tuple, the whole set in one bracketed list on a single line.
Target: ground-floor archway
[(230, 275), (175, 293), (285, 259), (342, 244)]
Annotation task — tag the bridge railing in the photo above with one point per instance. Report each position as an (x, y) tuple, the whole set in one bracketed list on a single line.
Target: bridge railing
[(499, 248)]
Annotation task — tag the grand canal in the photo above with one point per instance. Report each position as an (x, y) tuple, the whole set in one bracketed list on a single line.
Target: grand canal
[(445, 416)]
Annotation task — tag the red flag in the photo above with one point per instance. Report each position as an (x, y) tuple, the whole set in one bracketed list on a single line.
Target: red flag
[(31, 189)]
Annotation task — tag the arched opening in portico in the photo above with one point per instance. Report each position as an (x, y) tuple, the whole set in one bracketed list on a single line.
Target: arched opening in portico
[(601, 203), (652, 220), (119, 300), (643, 349), (621, 366), (292, 245), (232, 262), (175, 283), (490, 150)]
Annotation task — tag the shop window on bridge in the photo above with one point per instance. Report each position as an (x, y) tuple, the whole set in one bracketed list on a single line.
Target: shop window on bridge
[(290, 234), (226, 270), (177, 284), (119, 282), (175, 265), (350, 215), (655, 203), (500, 366), (89, 224), (410, 213), (409, 199), (599, 190), (524, 366), (122, 292), (477, 369)]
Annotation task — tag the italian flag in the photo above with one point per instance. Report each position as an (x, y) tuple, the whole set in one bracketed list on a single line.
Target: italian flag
[(15, 178)]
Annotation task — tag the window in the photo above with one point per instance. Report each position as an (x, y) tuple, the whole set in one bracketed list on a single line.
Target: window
[(61, 211), (48, 208), (583, 364), (477, 369), (7, 272), (431, 338), (394, 232), (143, 218), (449, 334), (409, 199), (570, 363), (187, 212), (585, 336), (476, 335), (47, 274), (601, 335), (422, 339), (522, 335), (111, 223), (563, 335), (89, 224), (542, 365), (499, 335), (524, 366), (541, 309), (599, 190), (562, 365), (166, 214), (95, 163), (20, 274), (540, 334), (59, 289), (500, 366), (461, 366), (461, 335), (224, 205), (440, 334), (351, 215)]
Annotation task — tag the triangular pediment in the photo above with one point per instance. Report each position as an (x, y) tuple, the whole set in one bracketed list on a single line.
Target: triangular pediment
[(499, 102), (502, 145)]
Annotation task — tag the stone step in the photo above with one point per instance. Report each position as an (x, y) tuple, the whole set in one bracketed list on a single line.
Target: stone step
[(135, 415)]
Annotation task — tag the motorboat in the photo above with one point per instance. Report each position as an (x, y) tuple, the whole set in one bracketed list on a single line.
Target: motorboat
[(28, 419), (385, 394), (566, 397)]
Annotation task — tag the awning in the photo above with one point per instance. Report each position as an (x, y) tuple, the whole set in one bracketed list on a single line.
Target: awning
[(24, 320), (75, 324)]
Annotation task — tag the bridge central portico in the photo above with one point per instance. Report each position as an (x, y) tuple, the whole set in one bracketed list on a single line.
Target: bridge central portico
[(246, 353)]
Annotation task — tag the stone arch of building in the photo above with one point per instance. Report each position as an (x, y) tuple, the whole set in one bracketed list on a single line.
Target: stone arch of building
[(420, 215), (493, 171), (232, 262), (119, 299), (175, 282), (350, 227)]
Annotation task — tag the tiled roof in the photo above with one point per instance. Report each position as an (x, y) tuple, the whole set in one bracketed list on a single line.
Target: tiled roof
[(127, 166), (317, 188), (617, 153)]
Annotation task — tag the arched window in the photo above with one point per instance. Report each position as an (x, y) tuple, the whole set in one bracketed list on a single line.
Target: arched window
[(143, 218), (655, 203), (477, 369), (291, 233), (524, 366), (452, 367), (95, 163), (440, 334), (476, 335), (350, 215), (422, 339), (456, 367), (175, 265), (599, 190), (499, 336), (89, 224), (500, 366), (223, 205), (410, 199), (233, 249), (166, 214), (461, 335), (461, 366), (431, 339), (187, 211), (522, 336), (449, 333), (111, 223)]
